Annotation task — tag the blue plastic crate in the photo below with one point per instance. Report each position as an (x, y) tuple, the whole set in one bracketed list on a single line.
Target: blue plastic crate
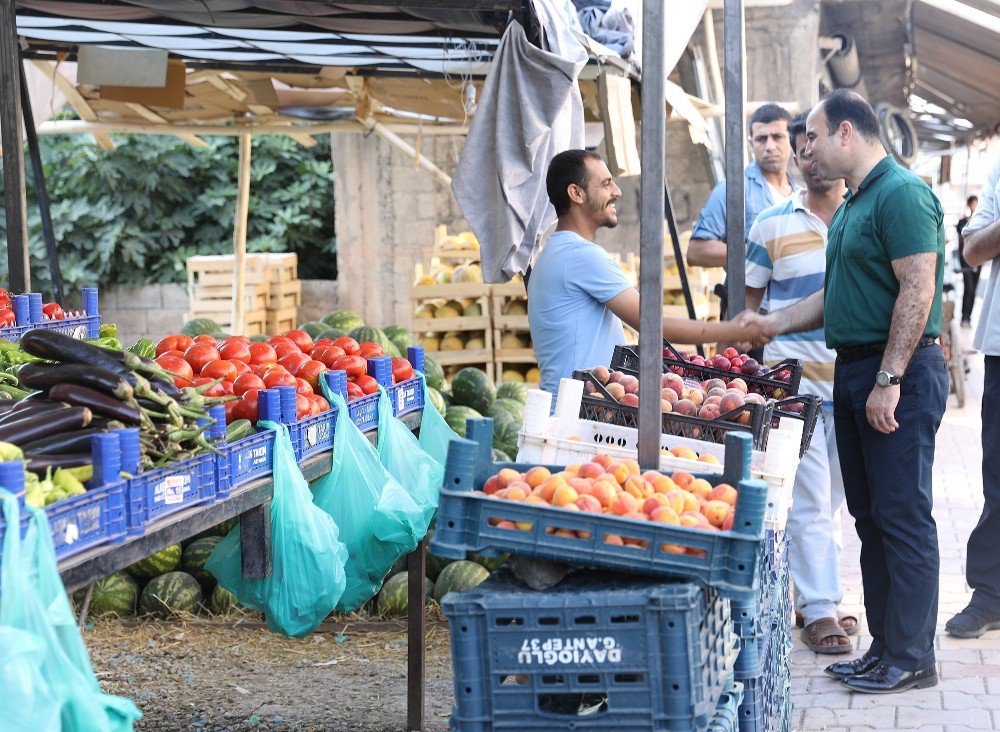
[(406, 396), (767, 704), (28, 312), (467, 519), (86, 326), (91, 519), (756, 619), (364, 412), (158, 493), (313, 435), (727, 711), (639, 654), (243, 461)]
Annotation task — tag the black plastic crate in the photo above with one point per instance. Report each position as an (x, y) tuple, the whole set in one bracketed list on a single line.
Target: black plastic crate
[(753, 418), (805, 407), (626, 358), (596, 652)]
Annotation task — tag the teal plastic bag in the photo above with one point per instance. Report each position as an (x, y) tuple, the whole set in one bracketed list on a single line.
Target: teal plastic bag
[(400, 452), (435, 434), (307, 557), (378, 519)]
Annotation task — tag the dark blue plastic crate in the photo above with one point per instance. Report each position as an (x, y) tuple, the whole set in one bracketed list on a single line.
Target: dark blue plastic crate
[(28, 312), (406, 396), (158, 493), (756, 619), (243, 461), (767, 704), (641, 654), (467, 519), (91, 519), (86, 326), (727, 711), (313, 435), (364, 412)]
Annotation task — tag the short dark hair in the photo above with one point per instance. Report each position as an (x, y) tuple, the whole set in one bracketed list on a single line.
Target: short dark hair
[(768, 113), (797, 127), (567, 168), (844, 105), (970, 199)]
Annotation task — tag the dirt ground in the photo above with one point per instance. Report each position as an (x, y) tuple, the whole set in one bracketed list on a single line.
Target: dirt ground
[(235, 675)]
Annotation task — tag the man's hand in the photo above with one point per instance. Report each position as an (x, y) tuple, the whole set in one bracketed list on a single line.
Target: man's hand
[(759, 328), (881, 408)]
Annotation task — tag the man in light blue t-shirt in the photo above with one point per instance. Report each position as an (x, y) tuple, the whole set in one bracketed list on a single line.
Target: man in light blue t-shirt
[(578, 295)]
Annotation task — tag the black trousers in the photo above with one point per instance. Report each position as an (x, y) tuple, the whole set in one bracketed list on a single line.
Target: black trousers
[(887, 483), (982, 564), (970, 278)]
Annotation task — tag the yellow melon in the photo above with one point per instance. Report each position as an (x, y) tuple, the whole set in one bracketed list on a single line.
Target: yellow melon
[(452, 341), (473, 310), (512, 340), (512, 375), (425, 311), (468, 240), (475, 343), (450, 309), (442, 274), (425, 281), (516, 307), (430, 343), (533, 376), (467, 273)]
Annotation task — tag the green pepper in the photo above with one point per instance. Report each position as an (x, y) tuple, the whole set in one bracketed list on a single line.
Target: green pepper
[(9, 452), (144, 347), (65, 481), (34, 494), (107, 330)]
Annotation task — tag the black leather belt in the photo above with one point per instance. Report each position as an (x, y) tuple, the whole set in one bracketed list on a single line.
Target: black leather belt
[(856, 353)]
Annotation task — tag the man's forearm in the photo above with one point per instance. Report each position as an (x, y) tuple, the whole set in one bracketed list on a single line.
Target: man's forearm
[(804, 315), (706, 253), (982, 245), (916, 277)]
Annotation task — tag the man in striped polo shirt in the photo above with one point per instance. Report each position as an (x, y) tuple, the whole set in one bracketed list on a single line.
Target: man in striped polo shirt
[(786, 259)]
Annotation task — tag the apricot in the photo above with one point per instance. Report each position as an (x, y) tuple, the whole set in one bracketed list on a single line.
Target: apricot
[(636, 516), (715, 512), (491, 486), (589, 504), (616, 391), (524, 525), (675, 499), (691, 502), (665, 407), (536, 476), (665, 515), (633, 467), (515, 491), (507, 476), (654, 502), (624, 503), (548, 487), (573, 468), (563, 496), (585, 535), (506, 525), (635, 486), (614, 540), (672, 549), (604, 460), (682, 478), (581, 485), (591, 470), (604, 493), (730, 518), (619, 472), (700, 487), (709, 459), (565, 533), (536, 499), (684, 453), (725, 493)]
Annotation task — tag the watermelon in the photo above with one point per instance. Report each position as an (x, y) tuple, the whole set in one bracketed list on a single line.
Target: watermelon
[(222, 601), (400, 336), (505, 437), (472, 388), (499, 456), (490, 563), (499, 415), (226, 526), (169, 594), (200, 326), (449, 400), (115, 594), (435, 398), (516, 390), (434, 373), (459, 577), (332, 334), (160, 563), (259, 338), (314, 328), (456, 416), (393, 599), (374, 335), (514, 408), (194, 557), (345, 320)]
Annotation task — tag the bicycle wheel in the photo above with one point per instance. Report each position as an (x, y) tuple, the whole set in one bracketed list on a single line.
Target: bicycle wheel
[(956, 364)]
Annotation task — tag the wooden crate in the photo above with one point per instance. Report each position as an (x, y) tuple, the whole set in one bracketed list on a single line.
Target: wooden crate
[(453, 256), (216, 298), (261, 269), (501, 296), (279, 321), (521, 368), (420, 294), (283, 295)]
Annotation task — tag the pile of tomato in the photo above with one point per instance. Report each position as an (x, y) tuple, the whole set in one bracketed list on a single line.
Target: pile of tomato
[(51, 310), (290, 359)]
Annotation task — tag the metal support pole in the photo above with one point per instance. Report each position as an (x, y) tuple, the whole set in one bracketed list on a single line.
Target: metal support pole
[(19, 273), (681, 266), (651, 231), (735, 78), (41, 192), (416, 565)]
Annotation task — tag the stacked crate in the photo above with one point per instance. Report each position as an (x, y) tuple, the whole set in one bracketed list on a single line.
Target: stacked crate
[(513, 350), (272, 291)]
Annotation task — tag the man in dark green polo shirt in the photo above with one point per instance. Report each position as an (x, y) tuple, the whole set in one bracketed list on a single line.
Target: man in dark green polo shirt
[(881, 310)]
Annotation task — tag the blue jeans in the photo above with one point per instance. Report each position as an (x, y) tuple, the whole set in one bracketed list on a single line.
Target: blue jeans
[(887, 484), (982, 563)]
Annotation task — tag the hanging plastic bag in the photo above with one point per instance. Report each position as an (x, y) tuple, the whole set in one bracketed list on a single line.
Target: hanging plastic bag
[(419, 473), (435, 434), (379, 521), (307, 557), (27, 702)]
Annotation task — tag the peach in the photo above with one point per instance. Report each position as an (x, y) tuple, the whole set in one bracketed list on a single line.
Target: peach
[(506, 525), (709, 411), (715, 512), (700, 487), (668, 394), (619, 472), (601, 373), (536, 476), (604, 460), (694, 395), (716, 400), (665, 515), (740, 384), (630, 383), (714, 384), (589, 388), (633, 467), (728, 523), (630, 400), (604, 493), (591, 470), (685, 406), (624, 503), (666, 407), (654, 502), (614, 377), (725, 493), (672, 381), (754, 399), (732, 400), (507, 476), (589, 504), (616, 391), (491, 486), (563, 496), (635, 486), (614, 540)]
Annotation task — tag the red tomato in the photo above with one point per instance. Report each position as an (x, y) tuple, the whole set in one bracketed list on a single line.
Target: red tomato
[(293, 362), (178, 354), (265, 368), (401, 370), (234, 350), (303, 406), (248, 407), (301, 339), (230, 408), (227, 388), (276, 340), (319, 346), (240, 366), (216, 391), (219, 369), (181, 369), (53, 311), (5, 303), (350, 346), (370, 350), (353, 391), (314, 407), (367, 383), (262, 353), (174, 343), (7, 318), (199, 355), (278, 377), (331, 354), (240, 338), (285, 349), (303, 387), (354, 366), (206, 338), (247, 382), (312, 371), (324, 405), (4, 293)]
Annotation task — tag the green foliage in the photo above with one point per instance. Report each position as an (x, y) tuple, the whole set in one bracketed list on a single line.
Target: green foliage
[(133, 216)]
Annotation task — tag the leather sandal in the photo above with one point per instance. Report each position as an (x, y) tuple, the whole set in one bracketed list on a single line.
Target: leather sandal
[(816, 632), (849, 628)]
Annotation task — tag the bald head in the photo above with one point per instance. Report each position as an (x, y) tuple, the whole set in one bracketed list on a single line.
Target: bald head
[(843, 137)]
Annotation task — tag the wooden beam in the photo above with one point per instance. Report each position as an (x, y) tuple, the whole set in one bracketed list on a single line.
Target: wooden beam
[(13, 147), (240, 235), (148, 114), (76, 100), (393, 139), (77, 127)]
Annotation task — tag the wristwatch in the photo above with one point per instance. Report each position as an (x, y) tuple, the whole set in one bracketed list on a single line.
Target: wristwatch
[(887, 378)]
